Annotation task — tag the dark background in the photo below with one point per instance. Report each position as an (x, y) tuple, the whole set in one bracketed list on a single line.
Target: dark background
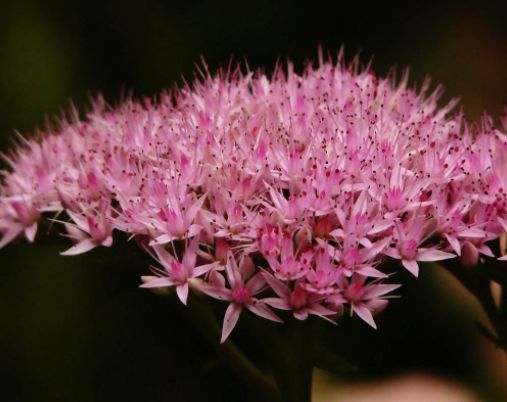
[(79, 329)]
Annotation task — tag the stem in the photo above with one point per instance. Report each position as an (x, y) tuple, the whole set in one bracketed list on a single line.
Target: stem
[(495, 317), (292, 355), (204, 318), (294, 370), (479, 285)]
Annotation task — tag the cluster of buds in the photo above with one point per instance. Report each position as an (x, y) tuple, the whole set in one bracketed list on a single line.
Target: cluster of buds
[(294, 192)]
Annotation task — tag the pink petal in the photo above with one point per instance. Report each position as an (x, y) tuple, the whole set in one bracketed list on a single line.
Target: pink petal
[(256, 283), (411, 266), (215, 292), (246, 267), (230, 320), (370, 271), (194, 230), (377, 248), (216, 279), (376, 291), (365, 314), (392, 252), (163, 239), (263, 311), (232, 270), (182, 292), (340, 215), (278, 303), (433, 255), (78, 219), (380, 228), (203, 269), (75, 232), (365, 242), (81, 247), (473, 233), (320, 310), (485, 250), (108, 242), (337, 233), (164, 257), (301, 315), (191, 254), (196, 207), (377, 306), (30, 232), (336, 299), (158, 283), (454, 243)]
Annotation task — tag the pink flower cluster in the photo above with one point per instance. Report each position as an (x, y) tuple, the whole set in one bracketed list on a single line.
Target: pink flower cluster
[(287, 192)]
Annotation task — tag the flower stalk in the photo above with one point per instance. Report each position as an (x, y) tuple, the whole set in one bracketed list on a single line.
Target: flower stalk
[(202, 315), (477, 281), (295, 371)]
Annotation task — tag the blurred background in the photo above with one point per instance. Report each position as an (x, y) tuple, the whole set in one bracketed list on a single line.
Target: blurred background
[(80, 329)]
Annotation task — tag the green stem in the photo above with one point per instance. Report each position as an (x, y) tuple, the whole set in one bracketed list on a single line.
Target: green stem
[(495, 317), (295, 367), (478, 283), (204, 318)]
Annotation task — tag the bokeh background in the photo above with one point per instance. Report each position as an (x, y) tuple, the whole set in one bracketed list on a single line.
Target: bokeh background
[(80, 329)]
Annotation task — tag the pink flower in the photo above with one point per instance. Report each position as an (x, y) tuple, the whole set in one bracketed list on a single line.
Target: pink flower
[(324, 275), (289, 266), (89, 230), (176, 273), (365, 299), (298, 300), (21, 216), (244, 284), (408, 238), (298, 185)]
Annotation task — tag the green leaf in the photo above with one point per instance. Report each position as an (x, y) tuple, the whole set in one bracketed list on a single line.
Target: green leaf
[(487, 333), (333, 363)]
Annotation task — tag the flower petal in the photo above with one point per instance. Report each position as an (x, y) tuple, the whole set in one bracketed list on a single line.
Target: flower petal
[(203, 269), (256, 283), (278, 303), (230, 320), (164, 257), (232, 270), (182, 292), (411, 266), (392, 252), (158, 283), (370, 271), (215, 292), (365, 314), (191, 254), (30, 232), (278, 286), (263, 311), (454, 243), (433, 255), (80, 248)]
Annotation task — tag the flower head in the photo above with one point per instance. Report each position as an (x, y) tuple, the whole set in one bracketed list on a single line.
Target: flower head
[(286, 192)]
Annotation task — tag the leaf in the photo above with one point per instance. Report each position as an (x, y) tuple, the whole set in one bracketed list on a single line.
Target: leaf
[(333, 363), (487, 333)]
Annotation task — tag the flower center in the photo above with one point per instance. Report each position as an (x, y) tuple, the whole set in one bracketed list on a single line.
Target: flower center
[(408, 250), (298, 298), (178, 272), (241, 295)]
